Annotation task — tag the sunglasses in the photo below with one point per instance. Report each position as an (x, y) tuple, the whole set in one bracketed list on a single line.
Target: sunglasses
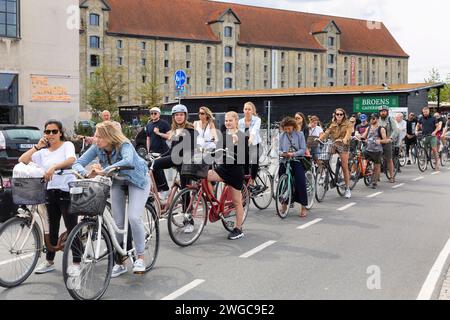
[(153, 113), (339, 114), (201, 113), (51, 131)]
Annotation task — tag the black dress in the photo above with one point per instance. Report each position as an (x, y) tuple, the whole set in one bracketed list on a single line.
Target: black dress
[(232, 171)]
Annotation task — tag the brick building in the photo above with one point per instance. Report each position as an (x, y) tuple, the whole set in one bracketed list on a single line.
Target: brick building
[(224, 46)]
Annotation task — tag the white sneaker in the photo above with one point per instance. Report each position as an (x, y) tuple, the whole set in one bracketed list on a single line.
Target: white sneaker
[(44, 267), (74, 270), (118, 270), (348, 194), (189, 228), (139, 266), (74, 279)]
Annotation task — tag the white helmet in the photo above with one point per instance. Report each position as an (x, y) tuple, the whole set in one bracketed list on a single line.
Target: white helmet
[(179, 108)]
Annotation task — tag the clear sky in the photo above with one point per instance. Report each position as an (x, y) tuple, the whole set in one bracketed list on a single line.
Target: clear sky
[(422, 28)]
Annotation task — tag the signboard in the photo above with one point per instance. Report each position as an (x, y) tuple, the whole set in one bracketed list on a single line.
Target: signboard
[(50, 89), (180, 78), (374, 104)]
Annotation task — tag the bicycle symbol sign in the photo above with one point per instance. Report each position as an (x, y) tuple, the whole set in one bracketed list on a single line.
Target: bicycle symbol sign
[(180, 78)]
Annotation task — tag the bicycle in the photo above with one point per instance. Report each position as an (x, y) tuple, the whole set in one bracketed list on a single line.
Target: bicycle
[(24, 237), (360, 167), (94, 240), (424, 155), (261, 191), (191, 204), (445, 152), (285, 189), (326, 178), (395, 160)]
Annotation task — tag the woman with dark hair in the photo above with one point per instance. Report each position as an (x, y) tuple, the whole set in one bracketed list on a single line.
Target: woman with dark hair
[(293, 144), (54, 153), (206, 129), (302, 124), (341, 131)]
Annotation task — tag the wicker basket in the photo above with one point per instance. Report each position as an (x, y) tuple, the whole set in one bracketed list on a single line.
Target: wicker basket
[(325, 151)]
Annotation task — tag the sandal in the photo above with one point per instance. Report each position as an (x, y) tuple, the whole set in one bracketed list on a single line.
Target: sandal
[(303, 214), (392, 180)]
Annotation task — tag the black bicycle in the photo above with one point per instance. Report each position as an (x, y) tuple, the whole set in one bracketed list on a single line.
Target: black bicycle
[(424, 154)]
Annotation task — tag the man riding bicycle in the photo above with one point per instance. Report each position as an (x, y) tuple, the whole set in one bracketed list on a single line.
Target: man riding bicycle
[(430, 127)]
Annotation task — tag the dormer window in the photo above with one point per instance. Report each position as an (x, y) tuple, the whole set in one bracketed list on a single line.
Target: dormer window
[(228, 32)]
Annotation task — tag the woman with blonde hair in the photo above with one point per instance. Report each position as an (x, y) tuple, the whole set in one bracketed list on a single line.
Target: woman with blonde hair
[(113, 149), (251, 126), (206, 129)]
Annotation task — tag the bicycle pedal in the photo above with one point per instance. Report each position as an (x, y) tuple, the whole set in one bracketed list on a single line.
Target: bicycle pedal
[(141, 273)]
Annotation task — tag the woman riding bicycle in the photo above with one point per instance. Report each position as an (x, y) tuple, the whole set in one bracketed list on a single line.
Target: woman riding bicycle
[(292, 144), (232, 172), (53, 153), (341, 131), (113, 149)]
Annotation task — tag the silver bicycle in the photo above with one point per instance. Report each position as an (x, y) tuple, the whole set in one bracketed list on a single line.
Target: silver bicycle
[(92, 246)]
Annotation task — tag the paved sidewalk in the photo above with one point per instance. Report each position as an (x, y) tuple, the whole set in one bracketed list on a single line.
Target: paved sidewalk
[(445, 291)]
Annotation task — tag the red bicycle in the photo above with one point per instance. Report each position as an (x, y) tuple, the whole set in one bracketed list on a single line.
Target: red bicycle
[(192, 206)]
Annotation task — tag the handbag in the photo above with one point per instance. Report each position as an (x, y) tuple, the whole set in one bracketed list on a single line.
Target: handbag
[(311, 142), (307, 163)]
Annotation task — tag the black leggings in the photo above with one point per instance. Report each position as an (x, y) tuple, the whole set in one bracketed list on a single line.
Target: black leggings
[(410, 143), (251, 155), (158, 170), (57, 206)]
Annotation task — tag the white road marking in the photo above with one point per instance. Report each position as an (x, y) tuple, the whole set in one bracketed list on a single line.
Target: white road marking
[(347, 206), (257, 249), (306, 225), (16, 259), (419, 178), (436, 172), (183, 290), (398, 186), (374, 195), (435, 273)]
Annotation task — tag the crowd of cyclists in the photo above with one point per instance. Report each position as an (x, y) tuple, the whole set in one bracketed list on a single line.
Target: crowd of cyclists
[(175, 143)]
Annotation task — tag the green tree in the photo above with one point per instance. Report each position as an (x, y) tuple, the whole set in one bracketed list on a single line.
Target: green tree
[(435, 77), (104, 90), (150, 94)]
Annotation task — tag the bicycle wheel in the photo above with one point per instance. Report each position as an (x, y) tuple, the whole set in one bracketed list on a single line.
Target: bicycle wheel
[(432, 159), (322, 179), (187, 217), (263, 186), (368, 175), (353, 166), (284, 196), (310, 188), (229, 214), (151, 226), (403, 159), (396, 166), (444, 156), (20, 248), (275, 180), (422, 160), (340, 182), (94, 248)]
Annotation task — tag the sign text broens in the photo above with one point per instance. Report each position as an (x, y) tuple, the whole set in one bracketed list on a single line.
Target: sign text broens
[(373, 104)]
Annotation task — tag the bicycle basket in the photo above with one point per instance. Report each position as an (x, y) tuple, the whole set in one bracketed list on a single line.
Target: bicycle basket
[(195, 171), (88, 197), (325, 151), (28, 191)]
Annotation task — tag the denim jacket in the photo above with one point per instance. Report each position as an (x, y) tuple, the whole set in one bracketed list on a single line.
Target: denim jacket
[(297, 143), (126, 156), (254, 129)]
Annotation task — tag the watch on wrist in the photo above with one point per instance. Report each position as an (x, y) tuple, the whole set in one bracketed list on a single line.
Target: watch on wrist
[(37, 149)]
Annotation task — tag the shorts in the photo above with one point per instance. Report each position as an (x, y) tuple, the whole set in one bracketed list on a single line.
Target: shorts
[(387, 151), (432, 141), (375, 157)]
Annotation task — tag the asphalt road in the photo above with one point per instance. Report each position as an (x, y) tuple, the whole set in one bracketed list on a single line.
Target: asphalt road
[(382, 247)]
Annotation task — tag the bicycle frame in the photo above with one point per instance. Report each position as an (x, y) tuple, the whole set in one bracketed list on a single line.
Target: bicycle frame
[(161, 209)]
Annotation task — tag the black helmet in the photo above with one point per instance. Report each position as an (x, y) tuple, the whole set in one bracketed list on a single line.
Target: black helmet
[(375, 115)]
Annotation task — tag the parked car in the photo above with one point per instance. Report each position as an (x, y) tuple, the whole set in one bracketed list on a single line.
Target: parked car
[(140, 142), (14, 141), (7, 207)]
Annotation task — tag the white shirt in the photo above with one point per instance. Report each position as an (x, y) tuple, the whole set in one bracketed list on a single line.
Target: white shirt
[(315, 132), (46, 158), (254, 129), (402, 129), (204, 138)]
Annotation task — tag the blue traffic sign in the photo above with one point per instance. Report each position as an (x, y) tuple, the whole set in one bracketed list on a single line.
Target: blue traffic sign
[(180, 78)]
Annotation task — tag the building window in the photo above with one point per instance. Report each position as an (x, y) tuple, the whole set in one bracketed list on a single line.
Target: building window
[(299, 70), (119, 61), (120, 98), (265, 54), (399, 76), (94, 19), (166, 80), (331, 41), (228, 51), (360, 61), (166, 47), (265, 68), (282, 55), (144, 79), (373, 62), (9, 93), (399, 63), (228, 83), (247, 68), (247, 83), (94, 42), (386, 62), (386, 76), (315, 58), (9, 18), (228, 67), (188, 64), (345, 73), (95, 60), (345, 60), (299, 84), (208, 66), (208, 81), (331, 84), (188, 80), (315, 84), (330, 73), (315, 72), (282, 69), (265, 83), (228, 32), (208, 50), (331, 59), (299, 57), (188, 49), (119, 44), (282, 84), (143, 61), (166, 63), (143, 45), (360, 76), (247, 52), (166, 99)]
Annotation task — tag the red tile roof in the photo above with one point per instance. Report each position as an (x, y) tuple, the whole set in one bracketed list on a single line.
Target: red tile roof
[(188, 19)]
